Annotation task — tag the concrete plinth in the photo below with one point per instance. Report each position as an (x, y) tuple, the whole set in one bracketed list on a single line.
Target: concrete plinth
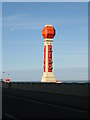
[(48, 77)]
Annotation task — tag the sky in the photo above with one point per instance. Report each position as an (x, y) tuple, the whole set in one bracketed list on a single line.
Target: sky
[(0, 40), (22, 41), (45, 0)]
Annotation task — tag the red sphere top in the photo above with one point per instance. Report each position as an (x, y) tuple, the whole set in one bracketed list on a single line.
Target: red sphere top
[(48, 31)]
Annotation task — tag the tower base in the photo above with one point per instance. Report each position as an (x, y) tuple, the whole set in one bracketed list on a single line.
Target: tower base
[(48, 78)]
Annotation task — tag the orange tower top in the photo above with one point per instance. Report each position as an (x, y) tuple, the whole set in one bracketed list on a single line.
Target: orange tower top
[(48, 32)]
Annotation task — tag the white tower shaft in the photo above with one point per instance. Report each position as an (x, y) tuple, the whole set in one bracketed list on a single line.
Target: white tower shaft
[(48, 75)]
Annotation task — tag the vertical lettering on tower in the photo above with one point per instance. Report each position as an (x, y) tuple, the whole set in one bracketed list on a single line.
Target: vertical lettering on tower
[(50, 58), (45, 58)]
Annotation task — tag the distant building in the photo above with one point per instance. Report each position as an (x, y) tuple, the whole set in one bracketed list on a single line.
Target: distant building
[(7, 80), (58, 81)]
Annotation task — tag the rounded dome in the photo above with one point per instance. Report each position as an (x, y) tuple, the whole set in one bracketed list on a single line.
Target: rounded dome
[(48, 32)]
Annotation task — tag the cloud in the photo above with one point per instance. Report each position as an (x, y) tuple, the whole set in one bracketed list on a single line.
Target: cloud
[(21, 22), (68, 74), (28, 21)]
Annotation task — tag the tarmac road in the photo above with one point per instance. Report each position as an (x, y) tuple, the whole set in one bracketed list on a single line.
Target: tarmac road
[(23, 104)]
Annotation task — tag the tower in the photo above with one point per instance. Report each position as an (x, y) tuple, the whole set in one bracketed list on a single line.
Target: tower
[(48, 33)]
